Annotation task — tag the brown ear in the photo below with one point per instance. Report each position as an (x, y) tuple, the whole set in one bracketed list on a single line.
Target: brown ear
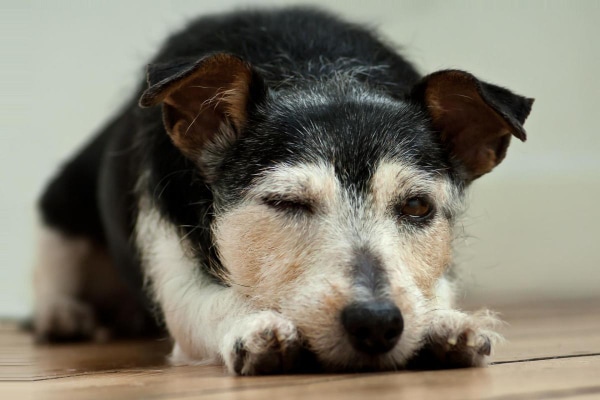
[(205, 102), (475, 119)]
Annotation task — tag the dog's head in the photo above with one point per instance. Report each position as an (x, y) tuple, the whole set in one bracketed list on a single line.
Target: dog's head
[(335, 201)]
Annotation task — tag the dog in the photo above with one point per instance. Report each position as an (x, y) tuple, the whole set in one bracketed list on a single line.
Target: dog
[(281, 192)]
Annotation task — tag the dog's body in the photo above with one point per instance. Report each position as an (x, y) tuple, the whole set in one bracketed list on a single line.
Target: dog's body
[(294, 195)]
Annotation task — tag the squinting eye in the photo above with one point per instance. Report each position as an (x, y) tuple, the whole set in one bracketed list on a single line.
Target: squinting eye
[(288, 205), (415, 207)]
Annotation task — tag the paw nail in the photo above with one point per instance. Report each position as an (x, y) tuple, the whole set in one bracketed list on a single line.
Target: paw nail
[(452, 341), (238, 346), (486, 348)]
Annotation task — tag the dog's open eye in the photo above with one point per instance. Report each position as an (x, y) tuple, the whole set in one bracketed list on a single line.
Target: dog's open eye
[(288, 204), (415, 207)]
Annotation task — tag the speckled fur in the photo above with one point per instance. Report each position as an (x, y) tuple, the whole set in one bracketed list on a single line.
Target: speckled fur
[(259, 190)]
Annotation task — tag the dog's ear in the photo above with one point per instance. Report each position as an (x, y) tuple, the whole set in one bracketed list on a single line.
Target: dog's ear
[(205, 102), (475, 119)]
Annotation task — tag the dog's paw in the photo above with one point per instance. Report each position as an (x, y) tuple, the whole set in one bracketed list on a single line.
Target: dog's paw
[(458, 340), (65, 319), (267, 343)]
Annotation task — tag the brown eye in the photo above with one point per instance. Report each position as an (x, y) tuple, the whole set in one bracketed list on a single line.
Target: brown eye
[(415, 207)]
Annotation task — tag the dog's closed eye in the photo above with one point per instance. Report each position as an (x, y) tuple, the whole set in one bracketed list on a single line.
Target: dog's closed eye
[(289, 204)]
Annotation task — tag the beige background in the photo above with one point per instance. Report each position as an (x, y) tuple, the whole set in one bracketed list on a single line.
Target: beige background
[(533, 228)]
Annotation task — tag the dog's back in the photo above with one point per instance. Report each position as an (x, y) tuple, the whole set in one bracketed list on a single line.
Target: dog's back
[(291, 46)]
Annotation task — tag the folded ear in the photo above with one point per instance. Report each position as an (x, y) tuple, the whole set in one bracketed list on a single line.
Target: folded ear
[(475, 119), (205, 102)]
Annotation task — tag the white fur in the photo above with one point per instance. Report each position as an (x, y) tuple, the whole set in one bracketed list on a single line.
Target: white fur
[(199, 314), (445, 293), (301, 266), (290, 274), (63, 296), (58, 271), (454, 330)]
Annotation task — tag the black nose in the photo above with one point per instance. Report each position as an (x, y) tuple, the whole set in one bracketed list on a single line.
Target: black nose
[(373, 327)]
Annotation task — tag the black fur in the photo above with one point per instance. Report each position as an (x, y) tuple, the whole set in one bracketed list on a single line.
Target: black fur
[(299, 56)]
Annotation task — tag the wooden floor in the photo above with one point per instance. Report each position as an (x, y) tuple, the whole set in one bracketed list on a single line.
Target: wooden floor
[(552, 352)]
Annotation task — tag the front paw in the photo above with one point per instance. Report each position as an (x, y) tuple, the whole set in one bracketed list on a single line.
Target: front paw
[(266, 343), (458, 340)]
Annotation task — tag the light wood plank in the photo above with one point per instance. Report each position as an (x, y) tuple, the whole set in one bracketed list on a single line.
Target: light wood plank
[(543, 379), (549, 329), (22, 360), (535, 330), (129, 370), (549, 378)]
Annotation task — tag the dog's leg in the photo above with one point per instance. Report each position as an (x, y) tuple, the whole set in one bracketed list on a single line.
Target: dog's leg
[(75, 282), (59, 276), (456, 339), (248, 342), (209, 321), (79, 294)]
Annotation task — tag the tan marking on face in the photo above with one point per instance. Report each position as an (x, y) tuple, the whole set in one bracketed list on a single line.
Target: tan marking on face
[(430, 256), (391, 179), (300, 265), (250, 241), (425, 251), (264, 250)]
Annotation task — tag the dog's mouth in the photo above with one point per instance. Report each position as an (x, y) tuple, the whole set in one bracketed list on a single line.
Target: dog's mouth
[(362, 350), (306, 361)]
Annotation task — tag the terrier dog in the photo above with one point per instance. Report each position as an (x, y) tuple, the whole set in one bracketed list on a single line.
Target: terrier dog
[(282, 191)]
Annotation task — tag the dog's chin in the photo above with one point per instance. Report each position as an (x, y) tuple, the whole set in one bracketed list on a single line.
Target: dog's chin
[(347, 359), (359, 362), (334, 352)]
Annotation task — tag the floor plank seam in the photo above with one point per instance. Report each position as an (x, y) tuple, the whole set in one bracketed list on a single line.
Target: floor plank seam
[(92, 373), (544, 358), (157, 371)]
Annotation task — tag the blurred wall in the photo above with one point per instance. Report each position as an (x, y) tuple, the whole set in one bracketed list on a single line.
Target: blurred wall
[(533, 227)]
